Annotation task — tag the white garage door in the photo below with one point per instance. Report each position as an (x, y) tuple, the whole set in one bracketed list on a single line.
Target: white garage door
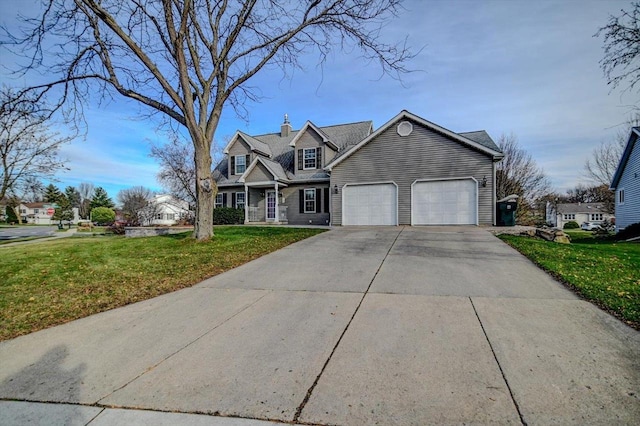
[(444, 202), (374, 204)]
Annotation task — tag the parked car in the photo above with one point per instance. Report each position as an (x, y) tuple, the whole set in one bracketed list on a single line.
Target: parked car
[(589, 226)]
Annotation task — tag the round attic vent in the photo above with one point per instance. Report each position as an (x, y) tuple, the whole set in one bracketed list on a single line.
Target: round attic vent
[(405, 128)]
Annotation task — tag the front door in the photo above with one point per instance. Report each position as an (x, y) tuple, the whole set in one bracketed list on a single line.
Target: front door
[(271, 205)]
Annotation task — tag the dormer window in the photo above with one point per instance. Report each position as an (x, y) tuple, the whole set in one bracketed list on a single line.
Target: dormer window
[(309, 158), (241, 164)]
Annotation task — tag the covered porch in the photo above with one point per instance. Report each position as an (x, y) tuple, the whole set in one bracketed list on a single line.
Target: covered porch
[(265, 203)]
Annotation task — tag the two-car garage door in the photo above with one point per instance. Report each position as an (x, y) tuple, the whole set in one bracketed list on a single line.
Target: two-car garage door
[(433, 202)]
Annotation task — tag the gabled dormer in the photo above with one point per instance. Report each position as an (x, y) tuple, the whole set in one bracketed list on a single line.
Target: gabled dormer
[(312, 149), (241, 150)]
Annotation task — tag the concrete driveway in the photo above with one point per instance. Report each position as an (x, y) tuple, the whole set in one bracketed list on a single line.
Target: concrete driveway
[(397, 325)]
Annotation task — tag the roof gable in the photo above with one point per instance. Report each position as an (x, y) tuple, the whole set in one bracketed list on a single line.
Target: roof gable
[(309, 125), (254, 144), (275, 169), (626, 154), (404, 114)]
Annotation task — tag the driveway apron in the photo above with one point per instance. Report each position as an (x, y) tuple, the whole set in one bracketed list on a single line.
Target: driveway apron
[(380, 325)]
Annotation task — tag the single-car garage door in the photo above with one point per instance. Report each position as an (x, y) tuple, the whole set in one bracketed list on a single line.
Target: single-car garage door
[(370, 204), (444, 202)]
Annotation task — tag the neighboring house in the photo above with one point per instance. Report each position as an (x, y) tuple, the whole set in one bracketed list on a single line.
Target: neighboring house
[(167, 210), (626, 183), (408, 172), (558, 215), (42, 213)]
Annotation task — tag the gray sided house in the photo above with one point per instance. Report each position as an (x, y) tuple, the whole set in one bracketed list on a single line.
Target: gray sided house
[(626, 183), (408, 172)]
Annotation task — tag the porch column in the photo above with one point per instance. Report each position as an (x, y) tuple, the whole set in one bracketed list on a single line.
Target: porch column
[(246, 203), (277, 213)]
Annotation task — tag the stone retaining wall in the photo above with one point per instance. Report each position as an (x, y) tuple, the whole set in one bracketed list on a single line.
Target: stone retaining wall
[(131, 232)]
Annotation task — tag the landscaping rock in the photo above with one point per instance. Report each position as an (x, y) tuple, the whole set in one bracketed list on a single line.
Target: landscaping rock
[(553, 234)]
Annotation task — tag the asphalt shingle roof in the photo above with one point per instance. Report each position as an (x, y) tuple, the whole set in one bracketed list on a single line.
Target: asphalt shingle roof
[(581, 208), (481, 137)]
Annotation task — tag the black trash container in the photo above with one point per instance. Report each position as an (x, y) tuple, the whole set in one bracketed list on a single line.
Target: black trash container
[(506, 212)]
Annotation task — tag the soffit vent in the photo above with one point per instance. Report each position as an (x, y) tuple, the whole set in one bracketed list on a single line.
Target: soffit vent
[(405, 128)]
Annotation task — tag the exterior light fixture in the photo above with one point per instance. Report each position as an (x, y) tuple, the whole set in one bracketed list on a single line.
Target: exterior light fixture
[(335, 189), (484, 181)]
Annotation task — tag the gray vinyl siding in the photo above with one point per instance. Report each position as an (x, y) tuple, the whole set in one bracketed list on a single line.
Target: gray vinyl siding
[(424, 154), (259, 174), (240, 147), (257, 199), (629, 212), (292, 201), (310, 139)]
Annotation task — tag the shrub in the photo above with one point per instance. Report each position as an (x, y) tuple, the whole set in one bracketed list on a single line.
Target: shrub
[(103, 215), (228, 216), (571, 225), (631, 231), (117, 229)]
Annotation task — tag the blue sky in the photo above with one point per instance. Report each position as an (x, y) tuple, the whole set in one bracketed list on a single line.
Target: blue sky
[(521, 67)]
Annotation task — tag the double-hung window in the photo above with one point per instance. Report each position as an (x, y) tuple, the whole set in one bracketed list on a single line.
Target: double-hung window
[(309, 158), (310, 200), (570, 216), (239, 200), (596, 216), (219, 200), (240, 164)]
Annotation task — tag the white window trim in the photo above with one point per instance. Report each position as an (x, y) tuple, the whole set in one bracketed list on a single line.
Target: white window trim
[(304, 159), (243, 200), (619, 199), (217, 204), (310, 190), (596, 217), (235, 164)]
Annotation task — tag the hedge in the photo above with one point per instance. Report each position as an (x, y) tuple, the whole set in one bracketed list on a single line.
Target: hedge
[(228, 216)]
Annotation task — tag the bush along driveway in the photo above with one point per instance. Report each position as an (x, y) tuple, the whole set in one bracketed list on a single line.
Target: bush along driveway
[(602, 271)]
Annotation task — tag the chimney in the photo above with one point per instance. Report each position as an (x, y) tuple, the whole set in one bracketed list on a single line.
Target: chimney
[(285, 128)]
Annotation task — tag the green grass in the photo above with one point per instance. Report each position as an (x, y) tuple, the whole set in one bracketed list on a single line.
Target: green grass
[(601, 270), (49, 283)]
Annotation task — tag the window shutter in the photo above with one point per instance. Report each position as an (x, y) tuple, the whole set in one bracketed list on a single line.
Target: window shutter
[(233, 165), (224, 199), (247, 161), (318, 197), (301, 196), (319, 158), (300, 159), (233, 200), (326, 200)]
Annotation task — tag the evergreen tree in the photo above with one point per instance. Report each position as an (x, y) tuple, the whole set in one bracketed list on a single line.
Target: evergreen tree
[(52, 194), (101, 199), (73, 196), (11, 215), (64, 211)]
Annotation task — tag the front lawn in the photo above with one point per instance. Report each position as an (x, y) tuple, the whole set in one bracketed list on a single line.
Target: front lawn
[(601, 270), (53, 282)]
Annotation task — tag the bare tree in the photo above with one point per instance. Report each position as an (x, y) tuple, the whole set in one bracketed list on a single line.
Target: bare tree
[(187, 59), (137, 207), (604, 160), (177, 172), (621, 59), (28, 150), (86, 190), (519, 174)]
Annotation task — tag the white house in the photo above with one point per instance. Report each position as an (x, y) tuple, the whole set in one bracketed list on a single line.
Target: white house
[(168, 210), (559, 214), (626, 183), (42, 213)]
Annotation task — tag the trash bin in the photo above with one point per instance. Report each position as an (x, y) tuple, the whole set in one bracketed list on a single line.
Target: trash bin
[(60, 226), (506, 211)]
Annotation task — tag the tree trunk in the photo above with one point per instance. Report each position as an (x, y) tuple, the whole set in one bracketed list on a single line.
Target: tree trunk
[(205, 191)]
